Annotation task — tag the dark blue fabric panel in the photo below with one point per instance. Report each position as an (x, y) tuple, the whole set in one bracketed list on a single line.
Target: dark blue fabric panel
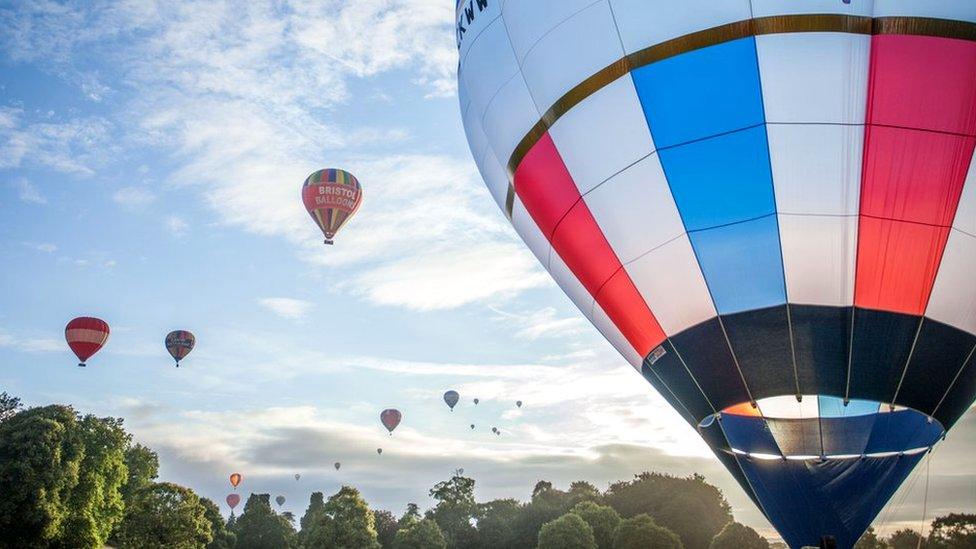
[(846, 435), (689, 410), (902, 430), (749, 434), (761, 342), (808, 499), (939, 353), (721, 180), (732, 465), (673, 373), (960, 396), (797, 437), (821, 337), (706, 353), (701, 93), (882, 341)]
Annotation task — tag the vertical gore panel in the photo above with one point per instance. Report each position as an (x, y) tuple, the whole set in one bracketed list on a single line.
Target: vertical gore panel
[(701, 93), (821, 336), (940, 352), (581, 244), (628, 311), (882, 342), (960, 396), (545, 186), (706, 353), (761, 342), (672, 373)]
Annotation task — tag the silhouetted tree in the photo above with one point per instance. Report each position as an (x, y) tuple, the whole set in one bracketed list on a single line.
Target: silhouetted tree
[(955, 530), (259, 527), (496, 521), (601, 518), (422, 534), (641, 532), (455, 510), (738, 536), (386, 527), (163, 515)]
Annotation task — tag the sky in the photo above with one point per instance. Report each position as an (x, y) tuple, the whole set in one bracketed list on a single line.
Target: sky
[(151, 160)]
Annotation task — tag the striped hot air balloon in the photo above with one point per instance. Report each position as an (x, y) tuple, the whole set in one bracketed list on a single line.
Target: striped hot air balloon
[(331, 197), (767, 206), (179, 343), (86, 335)]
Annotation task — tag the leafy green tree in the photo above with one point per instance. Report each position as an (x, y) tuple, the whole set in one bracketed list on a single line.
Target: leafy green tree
[(905, 539), (9, 405), (495, 523), (422, 534), (259, 527), (641, 532), (410, 516), (955, 530), (455, 510), (738, 536), (143, 466), (164, 515), (581, 490), (869, 540), (345, 522), (601, 518), (386, 527), (567, 532), (690, 507), (223, 537)]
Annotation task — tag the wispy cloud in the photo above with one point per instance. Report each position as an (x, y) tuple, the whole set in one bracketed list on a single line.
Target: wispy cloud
[(177, 226), (286, 307), (545, 322), (28, 192), (73, 146), (133, 197), (30, 344), (45, 247)]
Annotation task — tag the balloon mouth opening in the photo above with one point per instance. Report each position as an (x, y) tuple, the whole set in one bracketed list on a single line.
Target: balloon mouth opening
[(819, 427)]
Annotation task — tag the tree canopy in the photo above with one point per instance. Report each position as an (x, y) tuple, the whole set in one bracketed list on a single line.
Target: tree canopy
[(422, 534), (567, 532), (641, 531), (738, 536), (601, 518), (165, 515)]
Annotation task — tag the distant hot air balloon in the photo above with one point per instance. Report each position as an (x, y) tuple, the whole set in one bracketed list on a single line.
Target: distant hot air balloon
[(297, 477), (472, 425), (331, 197), (233, 500), (379, 451), (280, 500), (494, 430), (85, 336), (451, 398), (235, 479), (476, 401), (518, 403), (179, 343), (390, 418), (337, 465), (776, 228)]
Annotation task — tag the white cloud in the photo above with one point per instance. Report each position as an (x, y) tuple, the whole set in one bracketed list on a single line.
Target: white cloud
[(177, 226), (73, 146), (45, 247), (29, 344), (285, 307), (133, 197), (28, 192), (543, 323)]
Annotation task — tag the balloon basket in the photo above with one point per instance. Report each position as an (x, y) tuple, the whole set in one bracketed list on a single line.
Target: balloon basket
[(81, 364), (327, 241)]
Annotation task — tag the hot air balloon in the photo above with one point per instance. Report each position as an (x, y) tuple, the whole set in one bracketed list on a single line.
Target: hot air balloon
[(768, 208), (298, 477), (280, 500), (390, 418), (518, 403), (233, 500), (85, 336), (451, 398), (494, 430), (337, 465), (331, 197), (476, 401), (235, 479), (179, 343), (379, 451), (472, 426)]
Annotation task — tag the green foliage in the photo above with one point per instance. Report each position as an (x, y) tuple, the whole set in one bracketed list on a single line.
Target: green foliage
[(641, 532), (9, 405), (581, 491), (955, 530), (869, 540), (143, 466), (690, 507), (905, 539), (410, 516), (567, 532), (164, 515), (455, 510), (223, 537), (345, 522), (422, 534), (259, 527), (738, 536), (495, 523), (386, 527), (601, 518)]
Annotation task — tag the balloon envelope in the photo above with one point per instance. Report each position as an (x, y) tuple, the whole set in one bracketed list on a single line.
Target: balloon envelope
[(390, 418), (337, 465), (233, 500), (331, 197), (235, 479), (476, 401), (761, 219), (518, 403), (86, 335), (379, 450), (451, 398), (472, 425), (179, 343), (280, 500), (298, 476)]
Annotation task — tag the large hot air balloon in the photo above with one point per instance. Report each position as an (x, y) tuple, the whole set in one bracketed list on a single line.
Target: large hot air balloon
[(280, 500), (86, 335), (235, 479), (233, 500), (390, 418), (451, 399), (179, 343), (768, 207), (331, 197)]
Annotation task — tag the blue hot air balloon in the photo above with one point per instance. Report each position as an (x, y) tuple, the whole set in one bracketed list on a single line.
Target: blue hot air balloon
[(451, 399), (767, 206)]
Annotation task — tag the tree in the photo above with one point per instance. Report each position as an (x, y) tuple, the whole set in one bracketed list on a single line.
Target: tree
[(386, 527), (601, 518), (495, 523), (345, 522), (955, 530), (9, 405), (738, 536), (410, 516), (905, 539), (581, 490), (696, 514), (869, 540), (143, 466), (164, 515), (423, 534), (455, 510), (641, 531), (259, 527), (223, 537), (566, 532)]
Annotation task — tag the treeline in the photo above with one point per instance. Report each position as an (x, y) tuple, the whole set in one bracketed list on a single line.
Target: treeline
[(78, 481)]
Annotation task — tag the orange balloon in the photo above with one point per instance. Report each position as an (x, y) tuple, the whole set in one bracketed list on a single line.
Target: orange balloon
[(235, 479)]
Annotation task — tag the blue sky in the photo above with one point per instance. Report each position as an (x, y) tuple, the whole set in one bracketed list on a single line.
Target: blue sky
[(151, 158)]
